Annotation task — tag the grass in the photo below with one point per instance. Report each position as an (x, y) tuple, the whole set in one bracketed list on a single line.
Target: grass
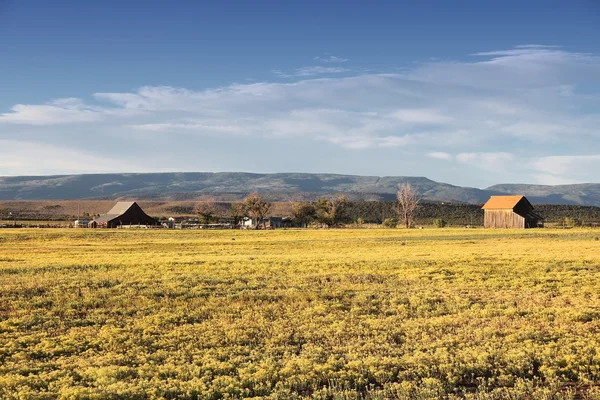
[(326, 314)]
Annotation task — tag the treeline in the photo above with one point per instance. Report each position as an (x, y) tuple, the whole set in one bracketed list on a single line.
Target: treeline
[(333, 212), (458, 214), (453, 214), (557, 213)]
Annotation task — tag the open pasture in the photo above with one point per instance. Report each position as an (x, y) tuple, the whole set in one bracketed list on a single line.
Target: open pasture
[(117, 314)]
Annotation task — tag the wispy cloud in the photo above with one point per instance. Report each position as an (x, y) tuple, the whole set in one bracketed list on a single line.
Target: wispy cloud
[(330, 59), (55, 112), (547, 170), (536, 46), (527, 98), (311, 71)]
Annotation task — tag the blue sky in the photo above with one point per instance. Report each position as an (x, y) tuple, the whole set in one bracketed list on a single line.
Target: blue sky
[(465, 92)]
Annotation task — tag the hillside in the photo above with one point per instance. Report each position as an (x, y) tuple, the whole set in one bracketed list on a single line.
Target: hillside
[(583, 193), (229, 186)]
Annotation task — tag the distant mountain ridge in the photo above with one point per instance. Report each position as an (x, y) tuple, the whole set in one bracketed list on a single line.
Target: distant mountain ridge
[(277, 187)]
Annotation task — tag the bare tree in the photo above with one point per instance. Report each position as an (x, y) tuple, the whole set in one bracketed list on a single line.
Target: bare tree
[(256, 207), (408, 200)]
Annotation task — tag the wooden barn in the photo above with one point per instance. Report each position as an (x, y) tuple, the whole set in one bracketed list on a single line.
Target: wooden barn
[(510, 212), (124, 213)]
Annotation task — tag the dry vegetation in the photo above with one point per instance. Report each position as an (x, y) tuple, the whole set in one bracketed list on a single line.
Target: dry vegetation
[(328, 314)]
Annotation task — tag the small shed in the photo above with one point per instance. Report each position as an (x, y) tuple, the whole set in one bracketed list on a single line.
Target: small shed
[(124, 213), (510, 212), (81, 223)]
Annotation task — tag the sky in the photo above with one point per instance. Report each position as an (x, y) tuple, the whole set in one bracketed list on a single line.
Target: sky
[(471, 93)]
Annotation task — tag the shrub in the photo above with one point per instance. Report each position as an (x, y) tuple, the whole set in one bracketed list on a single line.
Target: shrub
[(570, 222), (390, 222), (439, 223)]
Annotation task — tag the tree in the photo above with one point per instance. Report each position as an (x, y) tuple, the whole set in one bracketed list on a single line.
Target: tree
[(256, 207), (303, 212), (390, 222), (331, 212), (408, 200), (206, 211), (237, 212), (439, 223)]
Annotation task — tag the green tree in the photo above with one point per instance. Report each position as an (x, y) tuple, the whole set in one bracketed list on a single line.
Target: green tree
[(257, 208), (303, 212), (439, 223), (331, 212), (390, 222)]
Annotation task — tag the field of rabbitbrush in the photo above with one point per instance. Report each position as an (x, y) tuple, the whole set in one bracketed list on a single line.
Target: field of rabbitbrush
[(324, 314)]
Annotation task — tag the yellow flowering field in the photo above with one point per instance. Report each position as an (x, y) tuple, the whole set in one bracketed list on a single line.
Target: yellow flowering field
[(293, 314)]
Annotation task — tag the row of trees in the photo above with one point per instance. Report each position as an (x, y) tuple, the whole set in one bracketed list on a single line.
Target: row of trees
[(253, 206), (330, 212), (326, 212), (334, 212)]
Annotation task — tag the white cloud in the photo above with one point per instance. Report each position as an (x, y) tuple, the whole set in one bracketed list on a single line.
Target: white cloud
[(517, 68), (191, 126), (547, 170), (525, 100), (440, 155), (567, 165), (492, 161), (536, 46), (53, 113), (22, 158)]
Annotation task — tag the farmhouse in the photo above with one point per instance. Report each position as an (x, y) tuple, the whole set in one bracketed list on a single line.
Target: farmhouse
[(510, 212), (124, 213)]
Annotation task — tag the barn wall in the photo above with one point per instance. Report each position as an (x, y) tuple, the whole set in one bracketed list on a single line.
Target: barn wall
[(503, 219)]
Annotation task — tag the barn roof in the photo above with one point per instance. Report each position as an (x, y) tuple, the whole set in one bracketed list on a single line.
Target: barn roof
[(106, 218), (504, 202), (126, 213), (118, 209), (121, 207)]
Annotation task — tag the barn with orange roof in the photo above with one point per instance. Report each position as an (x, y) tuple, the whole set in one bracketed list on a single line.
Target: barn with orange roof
[(514, 212)]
